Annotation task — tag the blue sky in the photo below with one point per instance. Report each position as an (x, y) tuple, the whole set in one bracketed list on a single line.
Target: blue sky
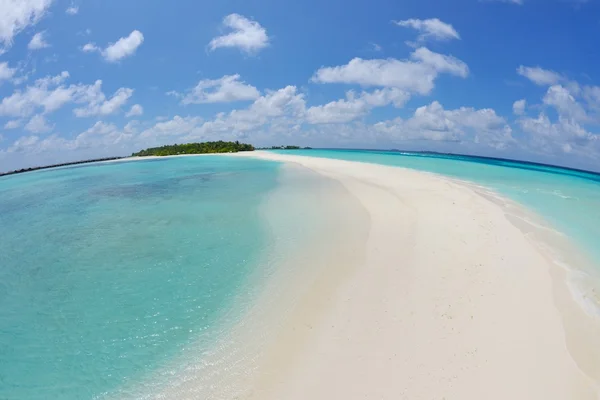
[(95, 78)]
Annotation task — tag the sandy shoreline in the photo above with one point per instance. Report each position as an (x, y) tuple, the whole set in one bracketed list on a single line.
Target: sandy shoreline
[(452, 301)]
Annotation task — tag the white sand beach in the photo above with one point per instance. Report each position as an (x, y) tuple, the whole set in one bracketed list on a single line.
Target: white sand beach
[(451, 300)]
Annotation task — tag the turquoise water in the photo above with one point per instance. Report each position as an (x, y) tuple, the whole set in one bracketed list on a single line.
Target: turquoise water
[(108, 271), (568, 199)]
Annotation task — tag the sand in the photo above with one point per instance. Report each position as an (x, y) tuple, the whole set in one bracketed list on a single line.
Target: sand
[(452, 300)]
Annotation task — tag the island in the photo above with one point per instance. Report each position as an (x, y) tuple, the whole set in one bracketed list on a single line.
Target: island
[(195, 148)]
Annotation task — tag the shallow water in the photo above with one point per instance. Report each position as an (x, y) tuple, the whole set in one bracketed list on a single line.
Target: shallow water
[(108, 271)]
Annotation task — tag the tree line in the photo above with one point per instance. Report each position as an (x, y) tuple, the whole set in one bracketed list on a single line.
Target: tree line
[(195, 148)]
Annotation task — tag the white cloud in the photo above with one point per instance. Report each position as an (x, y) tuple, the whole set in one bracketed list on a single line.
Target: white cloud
[(38, 41), (53, 80), (17, 15), (5, 71), (433, 122), (50, 94), (102, 139), (440, 62), (38, 124), (415, 75), (565, 104), (433, 29), (274, 104), (122, 48), (13, 124), (100, 128), (247, 35), (99, 105), (376, 47), (591, 94), (72, 9), (90, 47), (539, 76), (282, 108), (131, 127), (174, 127), (42, 94), (23, 143), (353, 107), (135, 110), (565, 135), (519, 107), (227, 89)]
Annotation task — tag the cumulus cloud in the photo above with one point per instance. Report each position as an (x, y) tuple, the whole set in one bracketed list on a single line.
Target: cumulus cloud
[(131, 127), (227, 89), (430, 29), (102, 139), (539, 76), (13, 124), (519, 107), (50, 94), (591, 94), (176, 126), (23, 143), (135, 111), (576, 105), (122, 48), (6, 72), (354, 107), (283, 107), (98, 104), (433, 122), (247, 35), (38, 124), (565, 104), (440, 62), (17, 15), (90, 47), (72, 9), (47, 93), (38, 41), (564, 135), (415, 75)]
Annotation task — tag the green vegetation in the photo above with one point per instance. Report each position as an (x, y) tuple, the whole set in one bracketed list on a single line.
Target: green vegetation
[(195, 148)]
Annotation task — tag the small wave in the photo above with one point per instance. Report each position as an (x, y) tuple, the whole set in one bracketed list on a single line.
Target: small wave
[(583, 289), (586, 296), (557, 193)]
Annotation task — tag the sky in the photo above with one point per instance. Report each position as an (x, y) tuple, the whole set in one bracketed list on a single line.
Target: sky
[(82, 79)]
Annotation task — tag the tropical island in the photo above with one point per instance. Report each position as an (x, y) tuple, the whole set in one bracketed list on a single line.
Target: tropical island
[(195, 148)]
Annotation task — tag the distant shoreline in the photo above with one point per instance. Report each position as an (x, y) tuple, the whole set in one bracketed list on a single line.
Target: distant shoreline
[(468, 158), (23, 170)]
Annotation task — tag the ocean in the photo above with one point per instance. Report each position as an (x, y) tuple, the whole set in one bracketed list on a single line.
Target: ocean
[(108, 271), (116, 278)]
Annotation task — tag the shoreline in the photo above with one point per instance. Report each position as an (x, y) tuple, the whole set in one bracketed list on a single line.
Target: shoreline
[(302, 215), (494, 320)]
